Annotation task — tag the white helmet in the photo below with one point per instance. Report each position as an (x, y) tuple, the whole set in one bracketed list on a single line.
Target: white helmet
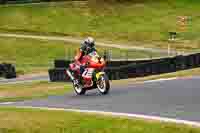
[(90, 41)]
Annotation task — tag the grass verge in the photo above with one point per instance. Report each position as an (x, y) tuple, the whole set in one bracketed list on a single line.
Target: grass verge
[(33, 56), (132, 22), (19, 92), (42, 121)]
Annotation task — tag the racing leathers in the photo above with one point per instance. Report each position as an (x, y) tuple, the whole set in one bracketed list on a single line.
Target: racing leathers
[(84, 50)]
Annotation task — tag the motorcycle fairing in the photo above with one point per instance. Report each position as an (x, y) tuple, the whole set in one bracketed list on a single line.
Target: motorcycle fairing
[(99, 74)]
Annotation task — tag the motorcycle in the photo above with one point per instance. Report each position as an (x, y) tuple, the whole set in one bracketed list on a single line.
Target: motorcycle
[(93, 76)]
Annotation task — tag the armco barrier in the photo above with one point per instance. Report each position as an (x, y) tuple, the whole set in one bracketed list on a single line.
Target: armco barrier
[(131, 69)]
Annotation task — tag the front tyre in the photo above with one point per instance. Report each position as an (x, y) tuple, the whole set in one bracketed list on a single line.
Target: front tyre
[(79, 90), (103, 84)]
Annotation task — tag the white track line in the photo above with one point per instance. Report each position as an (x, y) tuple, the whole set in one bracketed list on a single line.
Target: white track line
[(162, 119), (160, 80), (7, 103), (22, 82)]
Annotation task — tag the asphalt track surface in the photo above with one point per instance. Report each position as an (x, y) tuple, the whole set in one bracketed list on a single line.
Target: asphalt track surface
[(176, 99), (24, 79)]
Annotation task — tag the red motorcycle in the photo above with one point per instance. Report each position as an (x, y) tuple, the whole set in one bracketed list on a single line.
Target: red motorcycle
[(93, 76)]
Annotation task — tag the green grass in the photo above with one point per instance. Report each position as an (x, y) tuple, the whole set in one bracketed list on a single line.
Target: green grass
[(146, 21), (15, 120), (32, 56), (19, 92)]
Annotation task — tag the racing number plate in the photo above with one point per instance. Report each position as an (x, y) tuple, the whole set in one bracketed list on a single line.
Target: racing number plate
[(88, 72)]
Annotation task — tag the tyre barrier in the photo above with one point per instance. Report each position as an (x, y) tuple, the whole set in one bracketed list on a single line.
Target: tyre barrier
[(163, 65), (131, 69), (58, 74), (7, 71), (121, 63), (61, 63)]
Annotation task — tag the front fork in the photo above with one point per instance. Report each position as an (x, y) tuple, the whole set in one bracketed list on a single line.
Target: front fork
[(69, 73)]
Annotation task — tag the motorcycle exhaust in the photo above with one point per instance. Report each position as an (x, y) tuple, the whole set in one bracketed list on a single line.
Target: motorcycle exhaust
[(70, 74)]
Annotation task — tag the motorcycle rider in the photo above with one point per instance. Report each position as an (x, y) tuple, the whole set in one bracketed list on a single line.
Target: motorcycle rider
[(87, 46)]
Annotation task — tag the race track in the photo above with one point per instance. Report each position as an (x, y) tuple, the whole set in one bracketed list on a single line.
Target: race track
[(179, 99), (24, 79)]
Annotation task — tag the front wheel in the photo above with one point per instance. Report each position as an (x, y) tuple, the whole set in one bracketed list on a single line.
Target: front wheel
[(79, 89), (103, 84)]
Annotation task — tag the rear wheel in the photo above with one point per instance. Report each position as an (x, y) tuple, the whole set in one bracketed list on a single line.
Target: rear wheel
[(103, 84)]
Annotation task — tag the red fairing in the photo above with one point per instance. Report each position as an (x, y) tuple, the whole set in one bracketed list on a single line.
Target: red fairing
[(97, 65), (92, 64), (83, 60), (80, 59)]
